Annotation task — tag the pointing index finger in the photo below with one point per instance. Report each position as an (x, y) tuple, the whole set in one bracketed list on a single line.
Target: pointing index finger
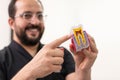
[(59, 41)]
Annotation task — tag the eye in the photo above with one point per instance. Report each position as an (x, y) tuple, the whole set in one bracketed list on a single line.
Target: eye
[(27, 15), (40, 16)]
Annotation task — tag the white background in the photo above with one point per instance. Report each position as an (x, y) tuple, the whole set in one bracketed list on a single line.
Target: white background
[(100, 18)]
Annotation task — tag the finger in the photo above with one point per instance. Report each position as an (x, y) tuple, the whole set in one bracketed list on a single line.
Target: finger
[(59, 41), (57, 68), (92, 44), (91, 38), (57, 60), (58, 52), (86, 52), (72, 48), (93, 47)]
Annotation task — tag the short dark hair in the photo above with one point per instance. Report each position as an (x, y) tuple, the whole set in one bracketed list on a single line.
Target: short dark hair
[(12, 8)]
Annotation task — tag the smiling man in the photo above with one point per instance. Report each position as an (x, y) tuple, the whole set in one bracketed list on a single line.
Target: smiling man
[(26, 58)]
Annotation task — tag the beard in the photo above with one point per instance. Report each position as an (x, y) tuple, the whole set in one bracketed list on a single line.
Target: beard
[(23, 37)]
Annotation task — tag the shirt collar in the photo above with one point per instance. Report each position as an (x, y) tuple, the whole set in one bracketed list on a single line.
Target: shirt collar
[(21, 50)]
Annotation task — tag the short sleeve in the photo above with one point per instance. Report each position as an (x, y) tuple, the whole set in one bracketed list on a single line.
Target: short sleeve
[(69, 63)]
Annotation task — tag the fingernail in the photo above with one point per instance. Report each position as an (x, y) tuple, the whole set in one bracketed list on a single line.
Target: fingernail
[(62, 49)]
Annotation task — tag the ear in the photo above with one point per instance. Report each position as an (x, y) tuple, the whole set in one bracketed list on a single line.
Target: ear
[(11, 23)]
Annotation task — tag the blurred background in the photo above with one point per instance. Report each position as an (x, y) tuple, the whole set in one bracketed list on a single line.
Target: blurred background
[(100, 18)]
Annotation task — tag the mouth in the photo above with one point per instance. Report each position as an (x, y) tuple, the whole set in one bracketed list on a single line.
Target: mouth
[(33, 29), (32, 32)]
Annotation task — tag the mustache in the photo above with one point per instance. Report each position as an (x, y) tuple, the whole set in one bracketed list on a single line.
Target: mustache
[(31, 26)]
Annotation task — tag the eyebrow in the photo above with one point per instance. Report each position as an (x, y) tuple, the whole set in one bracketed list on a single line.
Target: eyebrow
[(27, 12), (32, 12)]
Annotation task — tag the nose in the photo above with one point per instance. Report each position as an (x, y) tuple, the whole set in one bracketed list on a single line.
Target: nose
[(34, 20)]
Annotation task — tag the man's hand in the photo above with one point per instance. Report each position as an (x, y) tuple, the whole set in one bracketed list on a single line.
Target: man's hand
[(49, 59), (84, 60)]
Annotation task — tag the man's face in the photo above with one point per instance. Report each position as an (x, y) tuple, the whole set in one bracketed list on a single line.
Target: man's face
[(28, 22)]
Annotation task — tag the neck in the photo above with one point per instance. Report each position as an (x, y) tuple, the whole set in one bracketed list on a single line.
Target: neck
[(32, 50)]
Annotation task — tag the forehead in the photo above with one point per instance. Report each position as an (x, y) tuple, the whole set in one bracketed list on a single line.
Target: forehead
[(28, 5)]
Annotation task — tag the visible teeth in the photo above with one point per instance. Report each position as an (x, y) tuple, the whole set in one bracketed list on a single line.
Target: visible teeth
[(33, 29)]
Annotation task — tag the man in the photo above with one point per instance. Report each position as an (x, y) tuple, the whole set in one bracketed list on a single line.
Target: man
[(28, 59)]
